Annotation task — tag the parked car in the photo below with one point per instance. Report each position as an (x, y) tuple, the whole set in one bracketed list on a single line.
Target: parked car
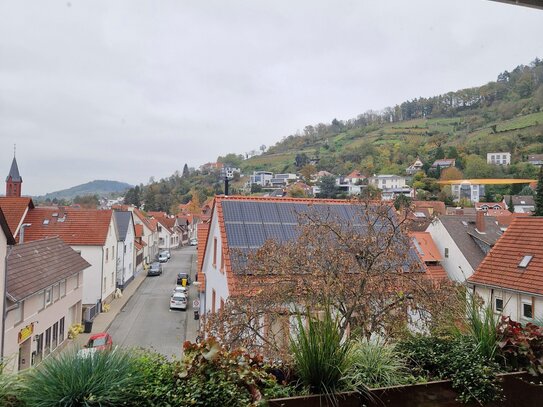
[(178, 301), (155, 269), (100, 341), (162, 257), (166, 252), (181, 289), (194, 242), (181, 277)]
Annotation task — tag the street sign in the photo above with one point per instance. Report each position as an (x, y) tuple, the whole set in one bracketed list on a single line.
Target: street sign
[(196, 304)]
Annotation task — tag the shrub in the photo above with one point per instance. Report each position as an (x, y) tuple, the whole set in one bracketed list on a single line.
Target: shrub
[(10, 386), (377, 365), (321, 356), (100, 379), (521, 345), (483, 328), (459, 359), (211, 375)]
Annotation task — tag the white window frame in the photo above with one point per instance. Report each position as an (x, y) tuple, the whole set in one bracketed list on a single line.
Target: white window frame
[(496, 298), (524, 302), (48, 296)]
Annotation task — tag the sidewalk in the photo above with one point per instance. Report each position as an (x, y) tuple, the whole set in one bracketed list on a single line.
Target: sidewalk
[(103, 320), (192, 325)]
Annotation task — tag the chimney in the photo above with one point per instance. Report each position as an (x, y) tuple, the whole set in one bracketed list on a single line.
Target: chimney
[(480, 221), (226, 186)]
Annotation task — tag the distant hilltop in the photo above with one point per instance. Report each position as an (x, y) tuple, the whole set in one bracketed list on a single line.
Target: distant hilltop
[(97, 187)]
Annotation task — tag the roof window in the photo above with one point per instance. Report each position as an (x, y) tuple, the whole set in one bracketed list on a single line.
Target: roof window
[(525, 261), (464, 223), (54, 215), (46, 221), (419, 215)]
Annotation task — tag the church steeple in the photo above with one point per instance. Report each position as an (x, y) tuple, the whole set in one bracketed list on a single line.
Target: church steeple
[(13, 180)]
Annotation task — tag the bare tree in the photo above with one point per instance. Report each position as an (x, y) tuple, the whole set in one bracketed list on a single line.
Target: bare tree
[(367, 269)]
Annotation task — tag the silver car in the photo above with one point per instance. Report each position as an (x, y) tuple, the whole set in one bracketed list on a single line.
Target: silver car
[(181, 289), (178, 301)]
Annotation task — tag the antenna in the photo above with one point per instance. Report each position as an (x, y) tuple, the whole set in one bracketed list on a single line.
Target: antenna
[(14, 150)]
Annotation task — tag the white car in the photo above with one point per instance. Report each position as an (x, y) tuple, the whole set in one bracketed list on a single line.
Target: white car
[(181, 289), (194, 242), (163, 257), (178, 301)]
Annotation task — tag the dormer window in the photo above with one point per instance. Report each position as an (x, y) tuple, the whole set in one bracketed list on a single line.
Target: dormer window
[(525, 261)]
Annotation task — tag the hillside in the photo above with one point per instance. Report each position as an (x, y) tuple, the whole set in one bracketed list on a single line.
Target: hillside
[(502, 116), (97, 187), (505, 115)]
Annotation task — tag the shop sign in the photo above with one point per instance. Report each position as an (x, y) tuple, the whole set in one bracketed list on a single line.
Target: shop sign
[(26, 332)]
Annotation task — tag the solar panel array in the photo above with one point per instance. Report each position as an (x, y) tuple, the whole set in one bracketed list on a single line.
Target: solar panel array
[(249, 224)]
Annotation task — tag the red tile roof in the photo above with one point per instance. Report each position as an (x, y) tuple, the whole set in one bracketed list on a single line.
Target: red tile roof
[(14, 209), (355, 174), (157, 215), (138, 230), (436, 272), (479, 205), (500, 268), (168, 223), (429, 251), (203, 230), (498, 212), (145, 220), (434, 207), (5, 229), (81, 227)]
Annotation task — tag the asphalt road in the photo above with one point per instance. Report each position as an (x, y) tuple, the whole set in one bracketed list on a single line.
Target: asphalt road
[(147, 321)]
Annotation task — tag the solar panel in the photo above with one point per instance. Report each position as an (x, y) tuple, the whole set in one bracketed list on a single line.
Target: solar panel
[(274, 232), (235, 234), (268, 211), (250, 211), (286, 213), (232, 211), (255, 234)]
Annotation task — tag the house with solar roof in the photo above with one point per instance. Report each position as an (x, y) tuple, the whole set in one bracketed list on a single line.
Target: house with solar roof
[(239, 225)]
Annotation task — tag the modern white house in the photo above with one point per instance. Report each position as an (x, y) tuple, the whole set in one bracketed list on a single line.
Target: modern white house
[(126, 253), (43, 298), (498, 158), (262, 178), (510, 278), (93, 234), (463, 242), (521, 203), (467, 190)]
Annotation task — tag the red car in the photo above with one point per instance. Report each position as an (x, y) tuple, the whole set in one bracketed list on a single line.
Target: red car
[(101, 341)]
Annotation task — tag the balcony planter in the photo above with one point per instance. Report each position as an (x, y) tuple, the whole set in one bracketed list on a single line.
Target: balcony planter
[(518, 391)]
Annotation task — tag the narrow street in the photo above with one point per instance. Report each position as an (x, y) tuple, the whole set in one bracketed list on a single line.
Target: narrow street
[(146, 320)]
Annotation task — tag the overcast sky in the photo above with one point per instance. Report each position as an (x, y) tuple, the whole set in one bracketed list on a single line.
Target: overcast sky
[(125, 90)]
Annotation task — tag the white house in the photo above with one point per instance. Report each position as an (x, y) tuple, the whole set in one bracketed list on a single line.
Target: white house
[(262, 178), (509, 278), (521, 203), (498, 158), (149, 236), (463, 241), (93, 234), (41, 310), (168, 233), (415, 167), (126, 252), (467, 190), (6, 238), (385, 182)]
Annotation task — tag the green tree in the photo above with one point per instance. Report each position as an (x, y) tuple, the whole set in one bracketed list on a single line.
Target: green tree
[(186, 172), (511, 205), (539, 194), (328, 187)]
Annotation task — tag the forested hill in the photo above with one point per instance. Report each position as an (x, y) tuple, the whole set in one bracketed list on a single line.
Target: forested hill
[(97, 187), (505, 115)]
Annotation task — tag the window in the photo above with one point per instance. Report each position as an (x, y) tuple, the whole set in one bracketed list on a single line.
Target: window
[(107, 254), (48, 296), (47, 349), (446, 252), (61, 330), (525, 261), (112, 252), (222, 303), (213, 298), (62, 288), (215, 252), (56, 292), (222, 261), (55, 335), (112, 278), (498, 304), (527, 310), (104, 285)]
